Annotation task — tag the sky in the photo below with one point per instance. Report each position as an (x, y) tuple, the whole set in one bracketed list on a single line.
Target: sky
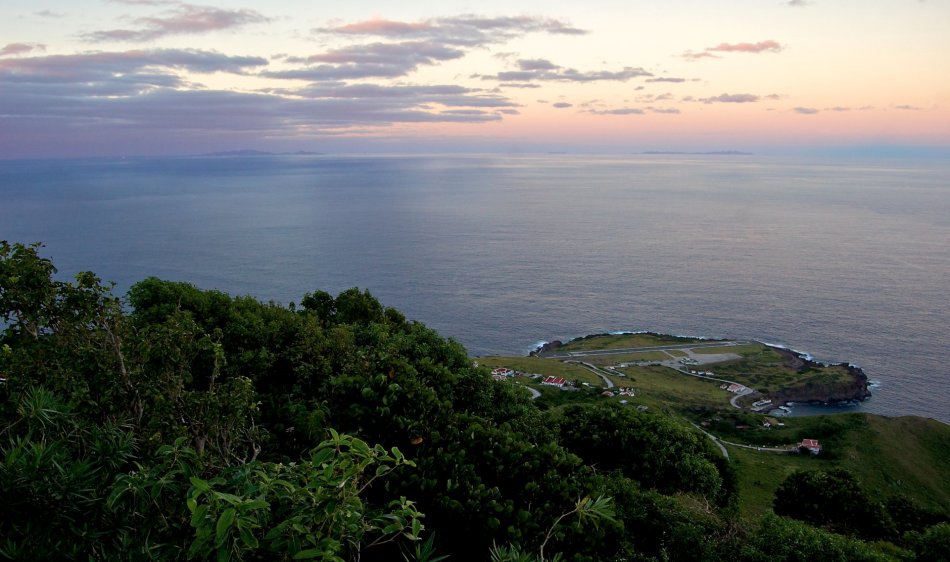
[(157, 77)]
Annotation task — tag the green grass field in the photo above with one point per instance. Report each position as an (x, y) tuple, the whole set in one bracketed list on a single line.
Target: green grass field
[(666, 389), (766, 371), (616, 359), (743, 350), (621, 341), (546, 367)]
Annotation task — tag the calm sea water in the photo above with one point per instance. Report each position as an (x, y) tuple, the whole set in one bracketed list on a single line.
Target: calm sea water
[(847, 260)]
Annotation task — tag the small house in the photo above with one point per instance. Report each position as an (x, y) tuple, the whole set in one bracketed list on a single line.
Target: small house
[(554, 381), (813, 446)]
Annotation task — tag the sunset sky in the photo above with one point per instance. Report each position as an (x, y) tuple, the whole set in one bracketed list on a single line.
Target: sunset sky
[(132, 77)]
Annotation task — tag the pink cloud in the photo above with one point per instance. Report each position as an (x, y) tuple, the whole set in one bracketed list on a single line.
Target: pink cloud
[(732, 98), (690, 55), (469, 30), (385, 27), (760, 47), (20, 48), (767, 46)]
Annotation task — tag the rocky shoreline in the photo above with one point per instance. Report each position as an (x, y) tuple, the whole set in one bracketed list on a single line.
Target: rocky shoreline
[(821, 394)]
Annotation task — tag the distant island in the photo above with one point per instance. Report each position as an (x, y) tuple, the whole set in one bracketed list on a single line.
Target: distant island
[(261, 153), (708, 153)]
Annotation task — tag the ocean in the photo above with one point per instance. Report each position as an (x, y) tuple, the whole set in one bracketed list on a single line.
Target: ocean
[(848, 260)]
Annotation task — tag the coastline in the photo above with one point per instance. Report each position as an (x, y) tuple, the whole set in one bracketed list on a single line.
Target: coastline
[(810, 395)]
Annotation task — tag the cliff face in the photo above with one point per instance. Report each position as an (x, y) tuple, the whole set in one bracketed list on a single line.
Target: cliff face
[(854, 389)]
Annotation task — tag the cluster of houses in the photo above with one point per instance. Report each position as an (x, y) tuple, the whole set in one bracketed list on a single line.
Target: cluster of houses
[(618, 392), (701, 373), (502, 373)]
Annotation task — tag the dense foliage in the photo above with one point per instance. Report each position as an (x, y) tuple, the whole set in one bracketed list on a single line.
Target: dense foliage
[(189, 424)]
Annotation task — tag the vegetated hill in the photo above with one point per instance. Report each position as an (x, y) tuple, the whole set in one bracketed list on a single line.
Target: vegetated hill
[(907, 456), (901, 456), (889, 457), (192, 424)]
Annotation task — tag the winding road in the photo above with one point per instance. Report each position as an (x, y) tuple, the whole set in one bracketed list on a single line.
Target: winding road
[(597, 371)]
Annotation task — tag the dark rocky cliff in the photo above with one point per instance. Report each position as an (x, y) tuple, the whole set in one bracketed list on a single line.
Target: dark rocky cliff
[(855, 389)]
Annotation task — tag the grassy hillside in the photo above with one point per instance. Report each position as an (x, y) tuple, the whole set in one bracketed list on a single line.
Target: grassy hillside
[(888, 456)]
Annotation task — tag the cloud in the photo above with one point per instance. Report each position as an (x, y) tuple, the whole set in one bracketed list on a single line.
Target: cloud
[(670, 110), (174, 119), (731, 98), (421, 43), (181, 19), (651, 98), (769, 46), (908, 107), (667, 80), (403, 95), (108, 66), (691, 56), (542, 70), (805, 110), (20, 48), (797, 3), (617, 111), (375, 60), (142, 98), (464, 30), (537, 64), (838, 108), (562, 105)]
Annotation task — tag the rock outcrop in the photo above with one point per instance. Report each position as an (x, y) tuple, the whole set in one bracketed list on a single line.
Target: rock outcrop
[(853, 390)]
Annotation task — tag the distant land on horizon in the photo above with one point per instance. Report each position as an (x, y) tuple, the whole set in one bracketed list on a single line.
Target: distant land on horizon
[(248, 152), (707, 153)]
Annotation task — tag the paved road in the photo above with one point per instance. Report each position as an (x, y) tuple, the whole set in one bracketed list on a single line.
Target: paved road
[(756, 448), (714, 439), (535, 393), (600, 373), (740, 394), (570, 354)]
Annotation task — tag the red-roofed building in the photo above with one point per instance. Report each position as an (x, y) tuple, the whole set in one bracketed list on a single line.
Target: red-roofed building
[(503, 371), (554, 381), (811, 444)]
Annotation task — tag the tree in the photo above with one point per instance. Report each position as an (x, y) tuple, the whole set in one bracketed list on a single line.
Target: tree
[(832, 499), (307, 510)]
